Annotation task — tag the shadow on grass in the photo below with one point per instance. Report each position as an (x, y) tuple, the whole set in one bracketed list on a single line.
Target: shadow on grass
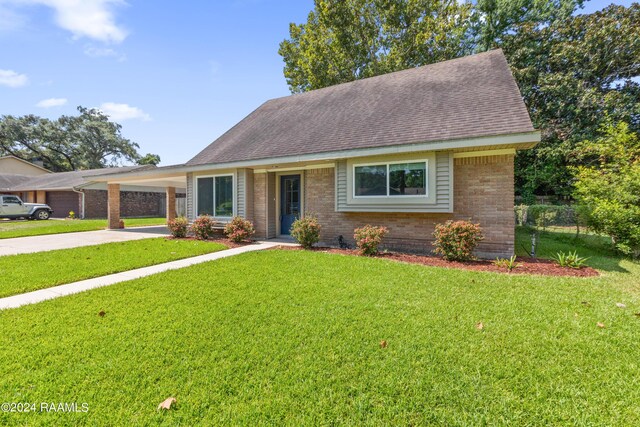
[(597, 249)]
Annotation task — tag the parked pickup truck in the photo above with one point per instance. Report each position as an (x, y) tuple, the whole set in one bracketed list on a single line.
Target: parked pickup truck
[(13, 208)]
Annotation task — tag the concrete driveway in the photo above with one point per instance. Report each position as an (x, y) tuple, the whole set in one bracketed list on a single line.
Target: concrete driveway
[(50, 242)]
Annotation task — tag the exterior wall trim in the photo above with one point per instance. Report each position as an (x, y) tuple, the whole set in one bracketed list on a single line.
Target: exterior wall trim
[(484, 153)]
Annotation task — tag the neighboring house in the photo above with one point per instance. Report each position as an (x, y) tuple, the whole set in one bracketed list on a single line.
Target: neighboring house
[(405, 150), (78, 192)]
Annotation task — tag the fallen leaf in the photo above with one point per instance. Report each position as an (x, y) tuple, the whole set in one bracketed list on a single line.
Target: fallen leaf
[(601, 325), (586, 303), (383, 344), (167, 403), (637, 314), (575, 314), (620, 305), (479, 326), (102, 313)]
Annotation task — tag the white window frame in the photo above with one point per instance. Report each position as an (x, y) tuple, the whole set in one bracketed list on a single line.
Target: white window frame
[(387, 164), (233, 194)]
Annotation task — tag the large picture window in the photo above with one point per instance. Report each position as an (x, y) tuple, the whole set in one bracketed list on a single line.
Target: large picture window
[(391, 179), (215, 196)]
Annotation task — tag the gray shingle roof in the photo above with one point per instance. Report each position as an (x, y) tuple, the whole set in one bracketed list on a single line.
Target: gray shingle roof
[(8, 180), (467, 97), (68, 180)]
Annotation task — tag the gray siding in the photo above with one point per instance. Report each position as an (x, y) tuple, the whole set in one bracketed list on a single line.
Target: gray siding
[(190, 210), (443, 190), (271, 205), (241, 194)]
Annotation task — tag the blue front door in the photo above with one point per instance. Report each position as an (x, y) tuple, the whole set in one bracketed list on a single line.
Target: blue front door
[(289, 201)]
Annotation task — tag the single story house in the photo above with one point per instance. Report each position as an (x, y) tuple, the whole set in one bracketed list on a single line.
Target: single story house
[(77, 191), (406, 150)]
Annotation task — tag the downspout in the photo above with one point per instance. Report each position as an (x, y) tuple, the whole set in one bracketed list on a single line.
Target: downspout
[(81, 204)]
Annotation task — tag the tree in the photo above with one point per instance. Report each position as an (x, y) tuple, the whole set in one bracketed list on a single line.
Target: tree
[(345, 40), (149, 159), (86, 141), (608, 185), (572, 74), (492, 20)]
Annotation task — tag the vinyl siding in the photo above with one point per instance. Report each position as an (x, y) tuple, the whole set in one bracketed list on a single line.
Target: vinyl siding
[(190, 209)]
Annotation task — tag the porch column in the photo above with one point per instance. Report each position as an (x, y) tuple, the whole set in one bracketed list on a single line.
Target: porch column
[(41, 197), (171, 203), (113, 206)]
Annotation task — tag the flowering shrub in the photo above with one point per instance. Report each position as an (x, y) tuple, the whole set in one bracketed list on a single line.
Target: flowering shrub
[(72, 215), (178, 227), (239, 229), (368, 238), (202, 227), (306, 231), (456, 240)]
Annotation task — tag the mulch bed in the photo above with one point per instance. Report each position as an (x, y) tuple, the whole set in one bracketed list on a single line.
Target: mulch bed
[(526, 265)]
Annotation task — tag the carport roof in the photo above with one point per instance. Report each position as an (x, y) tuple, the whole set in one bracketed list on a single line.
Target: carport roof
[(66, 180)]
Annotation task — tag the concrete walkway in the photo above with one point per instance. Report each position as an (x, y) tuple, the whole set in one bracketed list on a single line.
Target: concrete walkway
[(84, 285), (50, 242)]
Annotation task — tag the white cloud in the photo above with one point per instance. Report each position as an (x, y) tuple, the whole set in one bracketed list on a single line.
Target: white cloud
[(12, 79), (119, 112), (52, 102), (85, 18), (100, 52)]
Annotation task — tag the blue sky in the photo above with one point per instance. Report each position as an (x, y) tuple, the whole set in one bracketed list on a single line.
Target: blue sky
[(175, 74)]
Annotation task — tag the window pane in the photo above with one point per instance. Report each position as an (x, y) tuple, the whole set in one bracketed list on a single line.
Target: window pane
[(224, 196), (205, 196), (11, 200), (408, 179), (371, 180)]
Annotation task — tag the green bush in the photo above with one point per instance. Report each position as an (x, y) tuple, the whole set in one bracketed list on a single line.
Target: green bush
[(306, 231), (239, 229), (456, 240), (369, 238), (178, 227), (202, 227)]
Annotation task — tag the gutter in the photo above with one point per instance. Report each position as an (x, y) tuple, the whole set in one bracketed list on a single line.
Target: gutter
[(82, 204)]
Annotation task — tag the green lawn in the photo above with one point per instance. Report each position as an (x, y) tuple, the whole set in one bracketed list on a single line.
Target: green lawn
[(10, 229), (292, 338), (29, 272)]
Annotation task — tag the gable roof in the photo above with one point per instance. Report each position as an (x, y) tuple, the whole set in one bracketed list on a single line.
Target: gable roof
[(68, 180), (36, 168), (469, 97)]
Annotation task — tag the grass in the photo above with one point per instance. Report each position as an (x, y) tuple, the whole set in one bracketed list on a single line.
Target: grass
[(30, 272), (292, 337), (10, 229)]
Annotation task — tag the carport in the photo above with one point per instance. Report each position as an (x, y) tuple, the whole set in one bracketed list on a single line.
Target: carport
[(168, 177)]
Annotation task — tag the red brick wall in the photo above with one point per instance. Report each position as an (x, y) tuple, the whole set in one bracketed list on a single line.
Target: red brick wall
[(483, 192)]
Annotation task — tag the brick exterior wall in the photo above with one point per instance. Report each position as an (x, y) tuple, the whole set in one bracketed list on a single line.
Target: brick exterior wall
[(259, 216), (483, 193), (132, 204)]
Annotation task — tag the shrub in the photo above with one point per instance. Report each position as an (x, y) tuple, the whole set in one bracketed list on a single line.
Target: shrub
[(570, 260), (178, 227), (239, 229), (456, 240), (202, 227), (368, 238), (306, 231), (508, 264)]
